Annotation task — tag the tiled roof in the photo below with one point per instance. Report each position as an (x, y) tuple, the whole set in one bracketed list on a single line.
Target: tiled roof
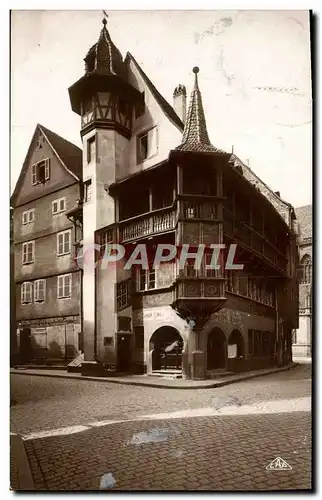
[(104, 57), (304, 217), (195, 136), (70, 154), (165, 106)]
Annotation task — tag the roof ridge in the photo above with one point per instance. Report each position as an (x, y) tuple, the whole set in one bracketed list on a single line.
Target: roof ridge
[(261, 180), (163, 103), (59, 136)]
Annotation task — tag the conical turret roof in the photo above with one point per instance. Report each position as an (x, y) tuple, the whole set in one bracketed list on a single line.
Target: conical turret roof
[(195, 135), (104, 57)]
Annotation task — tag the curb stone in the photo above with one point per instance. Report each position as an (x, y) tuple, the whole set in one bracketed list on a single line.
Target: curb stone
[(22, 468), (162, 385)]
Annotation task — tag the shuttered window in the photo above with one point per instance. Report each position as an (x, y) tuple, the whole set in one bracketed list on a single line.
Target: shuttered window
[(64, 286)]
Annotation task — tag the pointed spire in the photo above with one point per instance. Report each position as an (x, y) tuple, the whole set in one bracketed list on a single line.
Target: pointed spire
[(104, 57), (195, 136)]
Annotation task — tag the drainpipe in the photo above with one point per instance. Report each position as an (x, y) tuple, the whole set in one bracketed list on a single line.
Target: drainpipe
[(95, 303), (276, 325)]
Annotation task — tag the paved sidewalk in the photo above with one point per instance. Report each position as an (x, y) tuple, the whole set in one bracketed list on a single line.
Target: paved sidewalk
[(20, 473), (148, 381)]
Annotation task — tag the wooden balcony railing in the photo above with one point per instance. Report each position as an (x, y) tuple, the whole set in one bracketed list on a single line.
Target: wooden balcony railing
[(147, 224), (192, 209), (241, 232)]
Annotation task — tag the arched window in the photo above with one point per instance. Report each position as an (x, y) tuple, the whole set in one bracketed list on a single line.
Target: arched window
[(306, 265)]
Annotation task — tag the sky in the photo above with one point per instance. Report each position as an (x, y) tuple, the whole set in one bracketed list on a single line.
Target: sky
[(255, 79)]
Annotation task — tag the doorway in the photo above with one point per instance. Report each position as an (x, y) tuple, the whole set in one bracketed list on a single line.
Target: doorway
[(167, 345), (124, 353), (216, 350), (25, 350)]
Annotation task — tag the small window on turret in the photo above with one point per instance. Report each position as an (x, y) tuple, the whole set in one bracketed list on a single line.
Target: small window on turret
[(87, 105), (91, 149)]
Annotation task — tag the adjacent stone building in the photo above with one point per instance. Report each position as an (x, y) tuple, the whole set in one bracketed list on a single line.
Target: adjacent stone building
[(152, 176), (302, 340), (47, 279)]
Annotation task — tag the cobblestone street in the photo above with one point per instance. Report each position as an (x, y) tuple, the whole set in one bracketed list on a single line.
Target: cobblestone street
[(222, 439)]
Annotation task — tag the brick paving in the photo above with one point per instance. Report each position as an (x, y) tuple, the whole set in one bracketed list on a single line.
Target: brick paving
[(203, 453), (199, 453)]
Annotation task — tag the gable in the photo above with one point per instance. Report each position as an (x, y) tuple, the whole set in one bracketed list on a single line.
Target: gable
[(41, 150), (162, 102), (158, 117)]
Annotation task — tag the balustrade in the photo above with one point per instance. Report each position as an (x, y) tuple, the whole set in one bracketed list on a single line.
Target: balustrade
[(192, 209), (147, 225)]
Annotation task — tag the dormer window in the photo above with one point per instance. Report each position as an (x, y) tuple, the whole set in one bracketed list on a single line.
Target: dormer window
[(40, 172)]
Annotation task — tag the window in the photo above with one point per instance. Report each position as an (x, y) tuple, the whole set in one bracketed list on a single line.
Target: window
[(191, 272), (147, 144), (28, 252), (26, 292), (192, 210), (124, 324), (59, 205), (64, 242), (91, 149), (142, 280), (87, 105), (147, 279), (106, 238), (64, 286), (306, 265), (40, 172), (229, 283), (34, 174), (87, 191), (151, 277), (28, 216), (122, 294), (212, 272), (40, 290), (108, 341)]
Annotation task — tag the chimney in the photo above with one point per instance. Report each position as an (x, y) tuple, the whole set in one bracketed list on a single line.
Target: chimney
[(180, 101)]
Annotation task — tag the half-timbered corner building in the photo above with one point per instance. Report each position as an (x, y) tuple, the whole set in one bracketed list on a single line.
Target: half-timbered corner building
[(152, 176)]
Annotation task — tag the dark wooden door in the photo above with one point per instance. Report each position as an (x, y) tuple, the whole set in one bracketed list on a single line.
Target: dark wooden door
[(216, 351), (124, 353), (25, 350)]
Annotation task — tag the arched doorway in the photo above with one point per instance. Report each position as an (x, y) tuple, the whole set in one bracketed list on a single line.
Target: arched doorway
[(167, 345), (236, 338), (216, 349)]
